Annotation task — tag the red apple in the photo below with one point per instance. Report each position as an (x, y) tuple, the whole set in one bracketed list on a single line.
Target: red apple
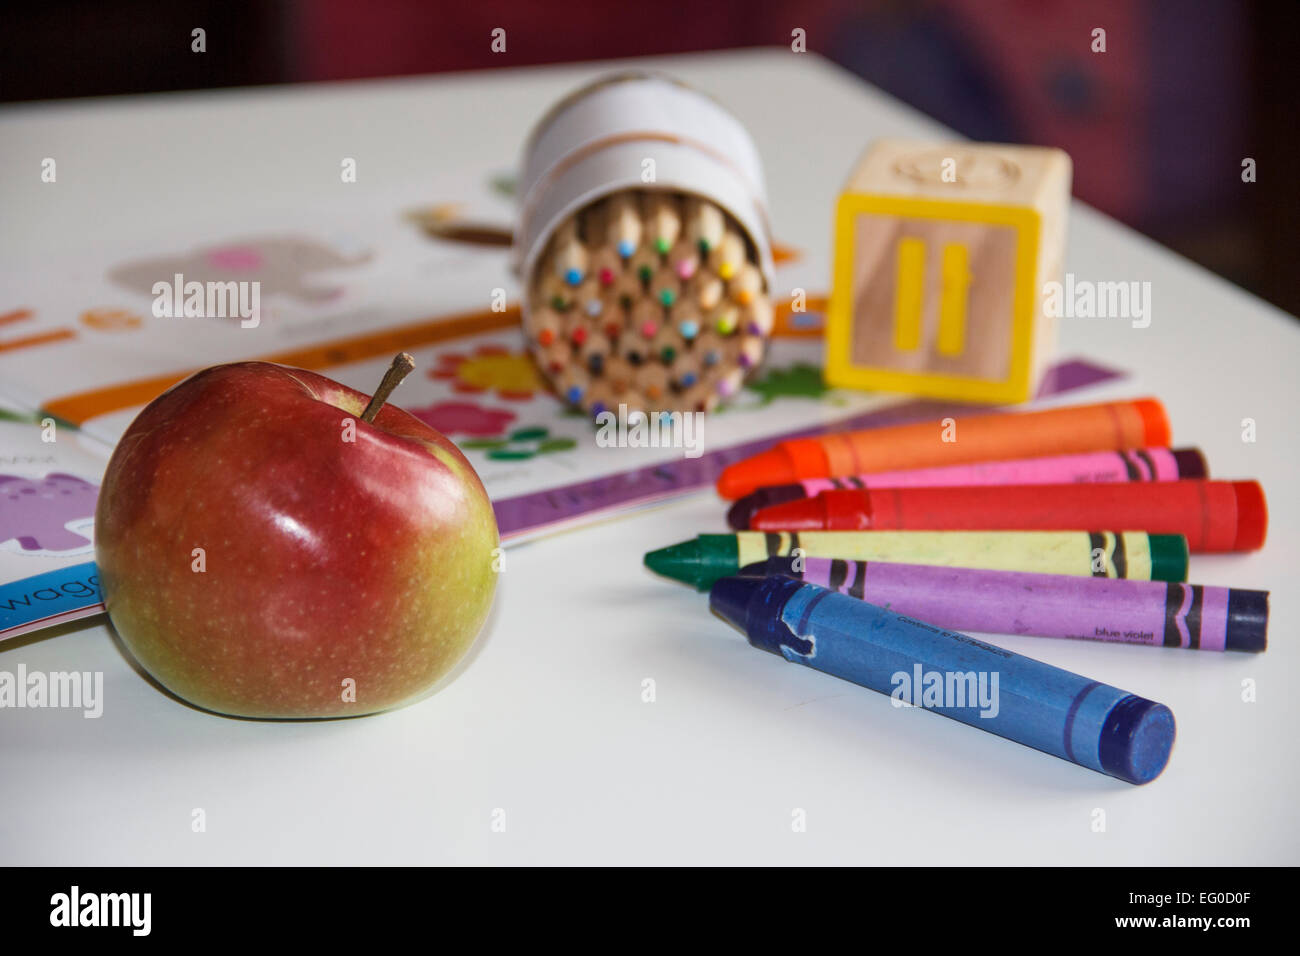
[(337, 577)]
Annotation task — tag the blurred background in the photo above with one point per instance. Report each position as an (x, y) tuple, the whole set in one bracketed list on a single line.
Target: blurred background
[(1158, 126)]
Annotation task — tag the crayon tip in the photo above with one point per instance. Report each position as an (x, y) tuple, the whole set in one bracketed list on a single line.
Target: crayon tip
[(729, 598), (732, 597), (697, 562), (742, 512), (1155, 422), (1252, 516), (806, 514), (771, 467)]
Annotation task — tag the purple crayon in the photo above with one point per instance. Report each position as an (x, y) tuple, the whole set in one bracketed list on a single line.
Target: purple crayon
[(1137, 464), (1045, 605)]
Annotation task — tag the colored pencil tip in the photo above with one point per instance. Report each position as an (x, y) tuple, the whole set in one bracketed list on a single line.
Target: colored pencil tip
[(626, 248), (688, 328), (607, 276), (662, 245), (574, 394), (573, 277), (771, 467), (667, 296)]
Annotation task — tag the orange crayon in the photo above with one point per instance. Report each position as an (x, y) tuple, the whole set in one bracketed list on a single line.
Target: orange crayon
[(1108, 426)]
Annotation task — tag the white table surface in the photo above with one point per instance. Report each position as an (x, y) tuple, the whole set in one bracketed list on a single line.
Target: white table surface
[(547, 721)]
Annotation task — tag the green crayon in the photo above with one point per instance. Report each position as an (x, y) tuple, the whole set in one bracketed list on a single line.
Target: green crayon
[(1101, 554)]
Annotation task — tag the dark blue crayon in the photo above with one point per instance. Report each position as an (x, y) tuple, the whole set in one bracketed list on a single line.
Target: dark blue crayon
[(1084, 721)]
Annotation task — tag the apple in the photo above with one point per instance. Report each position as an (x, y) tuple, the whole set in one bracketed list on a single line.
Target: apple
[(272, 544)]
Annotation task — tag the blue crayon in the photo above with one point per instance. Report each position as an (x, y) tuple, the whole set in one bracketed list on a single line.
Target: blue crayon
[(1080, 720)]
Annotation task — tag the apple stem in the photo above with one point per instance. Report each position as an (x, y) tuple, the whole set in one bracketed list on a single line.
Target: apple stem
[(400, 368)]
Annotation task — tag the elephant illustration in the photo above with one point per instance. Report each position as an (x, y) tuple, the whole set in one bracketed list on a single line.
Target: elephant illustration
[(35, 512), (282, 265)]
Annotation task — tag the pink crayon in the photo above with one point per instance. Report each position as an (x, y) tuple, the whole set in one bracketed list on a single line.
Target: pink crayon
[(1138, 464)]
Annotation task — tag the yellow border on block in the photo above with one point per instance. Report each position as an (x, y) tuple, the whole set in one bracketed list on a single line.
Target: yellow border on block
[(840, 370)]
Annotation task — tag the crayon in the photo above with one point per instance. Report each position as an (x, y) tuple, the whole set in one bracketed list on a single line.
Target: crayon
[(623, 225), (1155, 613), (1058, 712), (1212, 515), (1140, 464), (1109, 426), (1102, 554)]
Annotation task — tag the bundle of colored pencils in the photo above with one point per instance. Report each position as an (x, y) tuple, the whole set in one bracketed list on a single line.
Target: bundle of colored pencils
[(650, 299)]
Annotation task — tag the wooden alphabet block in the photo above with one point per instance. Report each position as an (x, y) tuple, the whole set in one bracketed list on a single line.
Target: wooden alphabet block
[(941, 255)]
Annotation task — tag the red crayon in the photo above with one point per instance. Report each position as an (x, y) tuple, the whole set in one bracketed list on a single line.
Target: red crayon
[(1214, 515)]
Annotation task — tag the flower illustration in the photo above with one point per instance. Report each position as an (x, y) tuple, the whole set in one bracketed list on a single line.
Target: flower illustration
[(465, 418), (521, 444), (512, 375)]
